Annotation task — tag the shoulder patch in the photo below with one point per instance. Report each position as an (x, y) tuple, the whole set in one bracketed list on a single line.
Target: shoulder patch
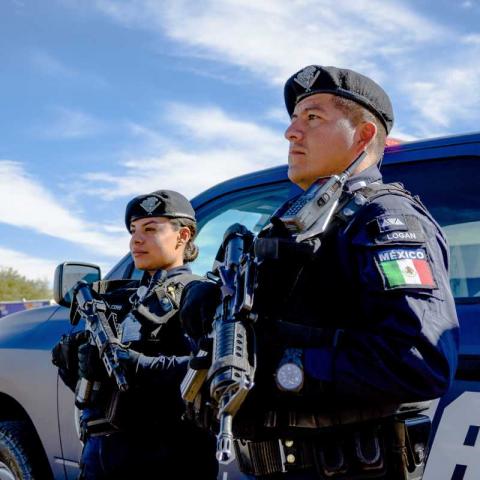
[(405, 268), (389, 223), (396, 229)]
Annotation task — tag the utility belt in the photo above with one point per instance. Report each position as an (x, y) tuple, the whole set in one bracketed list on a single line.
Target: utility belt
[(390, 449)]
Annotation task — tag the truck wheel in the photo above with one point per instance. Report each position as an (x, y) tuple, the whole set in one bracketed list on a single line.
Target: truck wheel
[(19, 459)]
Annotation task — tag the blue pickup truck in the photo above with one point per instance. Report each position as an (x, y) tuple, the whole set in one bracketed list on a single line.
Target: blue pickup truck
[(38, 437)]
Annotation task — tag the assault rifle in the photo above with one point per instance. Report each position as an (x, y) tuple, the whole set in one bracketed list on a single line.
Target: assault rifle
[(232, 371), (101, 334)]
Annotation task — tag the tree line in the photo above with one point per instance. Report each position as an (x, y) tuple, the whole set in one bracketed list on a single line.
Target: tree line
[(14, 286)]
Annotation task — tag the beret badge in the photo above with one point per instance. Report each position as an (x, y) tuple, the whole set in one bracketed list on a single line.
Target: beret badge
[(307, 77), (150, 204)]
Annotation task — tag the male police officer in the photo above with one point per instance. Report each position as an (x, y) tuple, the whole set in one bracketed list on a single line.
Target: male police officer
[(356, 326), (140, 433)]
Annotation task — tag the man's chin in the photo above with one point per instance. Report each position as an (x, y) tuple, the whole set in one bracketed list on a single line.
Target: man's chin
[(293, 174), (297, 179)]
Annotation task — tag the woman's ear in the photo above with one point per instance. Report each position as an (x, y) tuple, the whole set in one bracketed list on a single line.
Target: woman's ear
[(184, 235)]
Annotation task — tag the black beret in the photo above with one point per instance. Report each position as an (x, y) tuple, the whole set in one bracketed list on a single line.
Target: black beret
[(161, 203), (343, 83)]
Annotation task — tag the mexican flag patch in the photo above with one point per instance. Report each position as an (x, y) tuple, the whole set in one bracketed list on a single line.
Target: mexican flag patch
[(405, 267)]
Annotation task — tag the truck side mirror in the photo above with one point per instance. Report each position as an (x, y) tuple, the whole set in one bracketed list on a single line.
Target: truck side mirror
[(67, 275)]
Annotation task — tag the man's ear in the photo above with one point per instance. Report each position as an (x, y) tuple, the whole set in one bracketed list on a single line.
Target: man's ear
[(366, 132)]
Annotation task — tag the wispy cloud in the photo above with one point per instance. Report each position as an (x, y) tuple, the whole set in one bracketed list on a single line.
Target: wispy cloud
[(399, 134), (33, 268), (18, 4), (48, 64), (70, 124), (449, 96), (211, 147), (412, 55), (471, 39), (278, 115), (25, 203), (269, 40)]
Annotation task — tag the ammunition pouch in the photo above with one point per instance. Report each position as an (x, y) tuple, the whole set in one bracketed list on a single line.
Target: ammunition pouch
[(390, 449), (144, 408), (154, 312), (134, 411), (109, 423), (65, 357), (202, 413)]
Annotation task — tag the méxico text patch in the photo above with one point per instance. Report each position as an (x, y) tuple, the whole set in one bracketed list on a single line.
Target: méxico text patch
[(405, 268)]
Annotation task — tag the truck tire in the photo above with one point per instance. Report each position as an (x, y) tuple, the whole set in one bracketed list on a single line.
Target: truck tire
[(19, 454)]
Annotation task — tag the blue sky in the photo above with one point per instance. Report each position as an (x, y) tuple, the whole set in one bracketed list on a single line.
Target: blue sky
[(104, 99)]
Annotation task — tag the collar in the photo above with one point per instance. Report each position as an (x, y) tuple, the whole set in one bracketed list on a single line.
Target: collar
[(173, 272), (370, 175), (161, 275)]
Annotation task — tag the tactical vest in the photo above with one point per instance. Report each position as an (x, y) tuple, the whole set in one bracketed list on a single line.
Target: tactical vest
[(153, 312), (293, 279), (143, 406)]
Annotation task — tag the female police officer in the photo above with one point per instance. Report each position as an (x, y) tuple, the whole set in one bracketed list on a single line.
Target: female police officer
[(140, 433)]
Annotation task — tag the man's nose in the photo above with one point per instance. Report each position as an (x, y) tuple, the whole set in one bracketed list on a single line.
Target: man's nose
[(293, 133)]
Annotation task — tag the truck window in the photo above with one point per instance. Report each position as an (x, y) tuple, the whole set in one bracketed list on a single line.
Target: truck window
[(251, 207), (449, 189), (123, 269)]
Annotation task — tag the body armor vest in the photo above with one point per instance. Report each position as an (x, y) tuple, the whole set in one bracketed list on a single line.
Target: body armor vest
[(296, 285), (280, 431), (144, 406)]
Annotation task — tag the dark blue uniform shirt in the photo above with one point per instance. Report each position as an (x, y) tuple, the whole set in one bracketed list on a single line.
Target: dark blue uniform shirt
[(378, 291)]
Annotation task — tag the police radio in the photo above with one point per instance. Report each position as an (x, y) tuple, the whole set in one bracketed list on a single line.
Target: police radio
[(311, 213)]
